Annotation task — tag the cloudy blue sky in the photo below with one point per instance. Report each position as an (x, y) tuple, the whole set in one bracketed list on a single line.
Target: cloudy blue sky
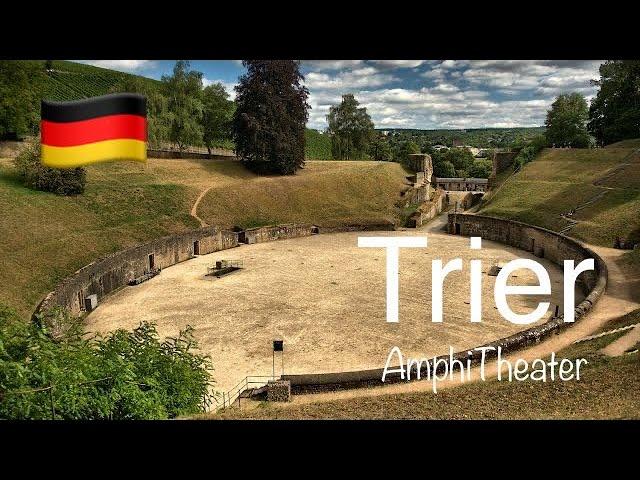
[(417, 93)]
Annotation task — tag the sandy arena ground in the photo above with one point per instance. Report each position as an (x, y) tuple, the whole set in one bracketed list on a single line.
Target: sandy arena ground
[(326, 298)]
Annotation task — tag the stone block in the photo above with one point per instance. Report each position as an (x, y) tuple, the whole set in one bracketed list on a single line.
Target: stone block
[(279, 391)]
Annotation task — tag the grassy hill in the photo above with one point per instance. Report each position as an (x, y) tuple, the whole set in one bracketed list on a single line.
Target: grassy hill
[(46, 237), (73, 81), (562, 179), (630, 143), (326, 193)]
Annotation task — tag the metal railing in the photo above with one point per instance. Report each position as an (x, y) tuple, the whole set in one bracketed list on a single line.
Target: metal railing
[(233, 395)]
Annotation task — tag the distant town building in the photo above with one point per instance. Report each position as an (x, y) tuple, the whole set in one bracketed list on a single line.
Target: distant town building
[(440, 147), (458, 184)]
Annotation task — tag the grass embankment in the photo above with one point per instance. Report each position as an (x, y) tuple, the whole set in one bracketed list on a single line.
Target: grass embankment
[(559, 180), (325, 193), (630, 143), (608, 388), (46, 237)]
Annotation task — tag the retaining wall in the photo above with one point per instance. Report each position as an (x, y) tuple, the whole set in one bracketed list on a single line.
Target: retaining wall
[(277, 232), (114, 271), (429, 209), (502, 161), (551, 245)]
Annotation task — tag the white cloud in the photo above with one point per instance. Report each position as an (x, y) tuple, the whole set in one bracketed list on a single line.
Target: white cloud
[(331, 64), (449, 93), (399, 63), (348, 80), (121, 65)]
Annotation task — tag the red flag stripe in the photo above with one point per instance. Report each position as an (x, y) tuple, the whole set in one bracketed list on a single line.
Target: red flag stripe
[(109, 127)]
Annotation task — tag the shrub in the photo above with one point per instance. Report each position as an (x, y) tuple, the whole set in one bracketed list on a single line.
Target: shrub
[(67, 181), (530, 151), (126, 375)]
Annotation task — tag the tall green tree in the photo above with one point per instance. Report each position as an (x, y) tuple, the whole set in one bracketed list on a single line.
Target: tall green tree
[(20, 83), (481, 168), (351, 129), (379, 148), (407, 148), (183, 90), (566, 123), (216, 116), (614, 114), (158, 118), (444, 169), (270, 117)]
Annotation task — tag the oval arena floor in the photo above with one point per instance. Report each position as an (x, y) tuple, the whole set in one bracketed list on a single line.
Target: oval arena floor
[(325, 297)]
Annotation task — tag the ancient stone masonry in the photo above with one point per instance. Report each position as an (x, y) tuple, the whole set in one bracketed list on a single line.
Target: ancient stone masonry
[(502, 161), (429, 209), (421, 164), (277, 232), (551, 245), (279, 391), (117, 270), (141, 262)]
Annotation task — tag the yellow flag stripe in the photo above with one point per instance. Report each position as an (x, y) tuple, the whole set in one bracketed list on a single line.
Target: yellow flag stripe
[(80, 155)]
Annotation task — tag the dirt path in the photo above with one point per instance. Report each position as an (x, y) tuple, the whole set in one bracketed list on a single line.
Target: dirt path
[(622, 296), (623, 344), (194, 208)]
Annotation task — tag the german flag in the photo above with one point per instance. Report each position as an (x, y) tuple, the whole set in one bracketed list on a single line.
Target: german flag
[(99, 129)]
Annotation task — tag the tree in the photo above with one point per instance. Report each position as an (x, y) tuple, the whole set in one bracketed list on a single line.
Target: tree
[(481, 168), (158, 117), (351, 129), (444, 169), (183, 90), (407, 148), (122, 376), (379, 149), (566, 121), (19, 98), (217, 114), (461, 158), (614, 114), (270, 117)]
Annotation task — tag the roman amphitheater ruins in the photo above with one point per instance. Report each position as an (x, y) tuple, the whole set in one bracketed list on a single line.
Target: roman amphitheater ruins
[(324, 297)]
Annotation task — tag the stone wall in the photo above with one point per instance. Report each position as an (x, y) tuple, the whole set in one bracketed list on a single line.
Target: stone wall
[(277, 232), (114, 271), (551, 245), (502, 161), (420, 162), (360, 227), (415, 195), (429, 209)]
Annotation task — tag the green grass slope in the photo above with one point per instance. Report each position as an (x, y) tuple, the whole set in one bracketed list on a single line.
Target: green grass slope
[(325, 193), (630, 143), (561, 179), (73, 81), (46, 237)]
